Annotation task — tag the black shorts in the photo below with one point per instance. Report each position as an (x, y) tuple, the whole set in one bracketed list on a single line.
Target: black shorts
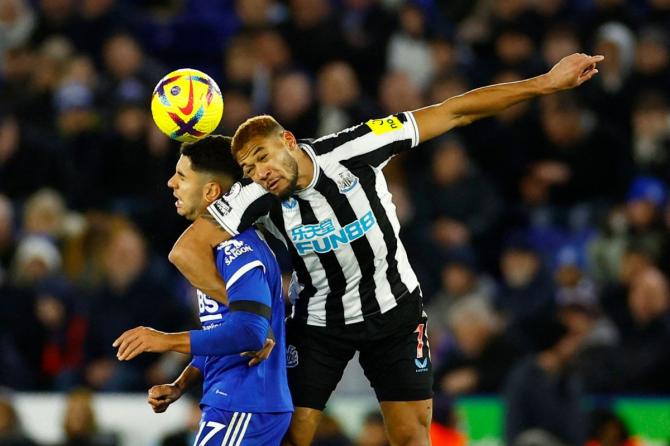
[(393, 348)]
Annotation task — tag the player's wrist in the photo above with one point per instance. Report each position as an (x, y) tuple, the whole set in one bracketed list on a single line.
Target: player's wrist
[(176, 342), (546, 84)]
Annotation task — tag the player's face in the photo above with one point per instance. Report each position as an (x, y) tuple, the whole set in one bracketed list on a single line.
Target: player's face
[(269, 161), (187, 186)]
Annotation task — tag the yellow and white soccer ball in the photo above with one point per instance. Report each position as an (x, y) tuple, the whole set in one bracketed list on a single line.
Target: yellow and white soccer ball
[(187, 105)]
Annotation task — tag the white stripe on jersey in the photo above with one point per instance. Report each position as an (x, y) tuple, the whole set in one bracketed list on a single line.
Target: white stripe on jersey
[(242, 271)]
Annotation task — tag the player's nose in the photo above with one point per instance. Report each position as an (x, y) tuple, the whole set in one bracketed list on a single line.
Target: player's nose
[(263, 174)]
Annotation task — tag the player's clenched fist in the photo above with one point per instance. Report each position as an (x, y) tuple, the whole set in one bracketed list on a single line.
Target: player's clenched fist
[(161, 396)]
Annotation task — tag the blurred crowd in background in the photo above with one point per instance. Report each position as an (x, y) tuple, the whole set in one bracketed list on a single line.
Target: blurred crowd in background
[(540, 236)]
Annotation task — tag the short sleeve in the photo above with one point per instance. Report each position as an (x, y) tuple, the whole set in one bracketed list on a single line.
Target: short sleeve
[(244, 204), (250, 286), (373, 142), (236, 258)]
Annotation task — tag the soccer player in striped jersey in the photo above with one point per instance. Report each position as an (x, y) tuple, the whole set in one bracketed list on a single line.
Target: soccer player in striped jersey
[(355, 288), (241, 405)]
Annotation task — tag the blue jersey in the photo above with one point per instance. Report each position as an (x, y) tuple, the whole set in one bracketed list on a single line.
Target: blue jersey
[(246, 264)]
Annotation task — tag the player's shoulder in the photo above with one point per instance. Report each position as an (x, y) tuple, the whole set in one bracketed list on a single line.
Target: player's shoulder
[(243, 248)]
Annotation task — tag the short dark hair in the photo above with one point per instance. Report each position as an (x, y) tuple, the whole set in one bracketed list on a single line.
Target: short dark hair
[(212, 154)]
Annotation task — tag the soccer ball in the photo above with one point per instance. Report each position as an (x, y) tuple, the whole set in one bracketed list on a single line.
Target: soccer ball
[(187, 105)]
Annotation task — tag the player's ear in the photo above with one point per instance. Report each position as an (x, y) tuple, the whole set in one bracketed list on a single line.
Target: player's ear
[(212, 191), (290, 140)]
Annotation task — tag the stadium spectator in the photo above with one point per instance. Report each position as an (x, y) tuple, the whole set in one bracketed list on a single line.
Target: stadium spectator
[(80, 422), (408, 49), (482, 355), (129, 295), (341, 103), (652, 60), (569, 160), (543, 394), (7, 235), (643, 354), (461, 280), (75, 77), (313, 33), (366, 27), (457, 201), (293, 101), (526, 293), (651, 134), (17, 21), (11, 431)]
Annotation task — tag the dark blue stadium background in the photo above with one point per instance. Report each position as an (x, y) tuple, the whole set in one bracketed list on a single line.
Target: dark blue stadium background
[(548, 222)]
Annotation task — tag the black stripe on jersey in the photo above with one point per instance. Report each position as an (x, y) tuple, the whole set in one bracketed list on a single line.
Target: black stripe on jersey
[(368, 179), (378, 156), (309, 290), (256, 210), (332, 142), (365, 256), (334, 274)]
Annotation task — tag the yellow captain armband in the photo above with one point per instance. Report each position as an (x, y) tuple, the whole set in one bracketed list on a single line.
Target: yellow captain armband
[(385, 125)]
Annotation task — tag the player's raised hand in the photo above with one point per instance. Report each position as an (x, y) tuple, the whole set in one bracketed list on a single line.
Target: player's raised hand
[(161, 396), (139, 340), (572, 71), (261, 355)]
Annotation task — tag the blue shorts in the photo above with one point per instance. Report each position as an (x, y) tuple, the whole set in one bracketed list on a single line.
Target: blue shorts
[(222, 428)]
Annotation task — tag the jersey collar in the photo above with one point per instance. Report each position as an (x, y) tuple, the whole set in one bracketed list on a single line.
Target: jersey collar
[(317, 170)]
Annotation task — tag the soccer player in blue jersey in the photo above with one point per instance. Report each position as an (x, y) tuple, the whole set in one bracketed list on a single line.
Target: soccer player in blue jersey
[(241, 405)]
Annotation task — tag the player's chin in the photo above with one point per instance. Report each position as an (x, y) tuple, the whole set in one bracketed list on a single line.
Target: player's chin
[(283, 194)]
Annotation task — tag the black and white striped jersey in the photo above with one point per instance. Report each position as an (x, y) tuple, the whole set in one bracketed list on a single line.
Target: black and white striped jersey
[(342, 229)]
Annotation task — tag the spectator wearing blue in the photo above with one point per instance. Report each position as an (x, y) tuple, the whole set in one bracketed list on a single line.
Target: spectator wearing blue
[(645, 202)]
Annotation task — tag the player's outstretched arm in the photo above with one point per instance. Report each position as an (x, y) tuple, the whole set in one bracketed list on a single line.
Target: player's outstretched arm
[(192, 255), (240, 332), (161, 396), (569, 72)]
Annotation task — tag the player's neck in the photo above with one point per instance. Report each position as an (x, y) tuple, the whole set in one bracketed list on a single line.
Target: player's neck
[(305, 169)]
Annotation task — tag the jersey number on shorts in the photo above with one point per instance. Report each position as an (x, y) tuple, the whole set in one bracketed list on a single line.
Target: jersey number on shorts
[(216, 427), (419, 340)]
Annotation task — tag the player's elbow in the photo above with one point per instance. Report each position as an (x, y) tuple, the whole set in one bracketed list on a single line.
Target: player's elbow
[(178, 256)]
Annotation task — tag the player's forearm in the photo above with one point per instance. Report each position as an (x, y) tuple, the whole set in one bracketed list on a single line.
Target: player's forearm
[(240, 332), (189, 376), (193, 257), (476, 104), (486, 101)]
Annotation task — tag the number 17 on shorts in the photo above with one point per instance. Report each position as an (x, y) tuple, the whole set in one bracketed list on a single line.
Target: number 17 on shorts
[(223, 428)]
